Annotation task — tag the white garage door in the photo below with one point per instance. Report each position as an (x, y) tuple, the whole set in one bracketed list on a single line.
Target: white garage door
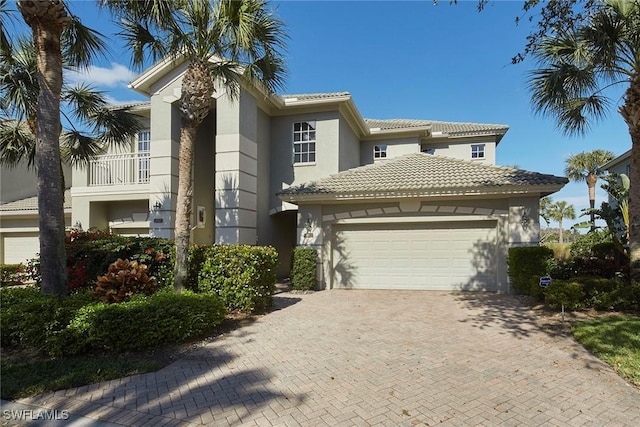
[(437, 256), (20, 247)]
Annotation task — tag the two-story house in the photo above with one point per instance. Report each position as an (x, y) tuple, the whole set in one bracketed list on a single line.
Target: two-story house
[(408, 204)]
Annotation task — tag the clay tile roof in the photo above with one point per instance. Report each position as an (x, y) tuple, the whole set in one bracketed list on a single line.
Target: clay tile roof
[(310, 96), (31, 203), (450, 128), (421, 172)]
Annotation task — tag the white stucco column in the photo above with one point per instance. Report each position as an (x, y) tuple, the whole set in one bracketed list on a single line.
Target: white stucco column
[(236, 181)]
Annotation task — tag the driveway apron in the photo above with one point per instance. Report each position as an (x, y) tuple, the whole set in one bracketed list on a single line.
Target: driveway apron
[(388, 358)]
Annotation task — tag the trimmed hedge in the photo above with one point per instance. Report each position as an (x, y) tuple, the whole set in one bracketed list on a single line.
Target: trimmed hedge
[(243, 276), (525, 263), (303, 271), (78, 323), (12, 274)]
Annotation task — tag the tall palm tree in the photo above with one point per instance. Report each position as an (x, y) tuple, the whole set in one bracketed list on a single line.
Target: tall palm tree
[(545, 203), (56, 35), (243, 36), (559, 211), (577, 66), (47, 19), (586, 166)]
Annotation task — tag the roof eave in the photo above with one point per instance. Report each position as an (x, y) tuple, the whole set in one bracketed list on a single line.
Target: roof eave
[(428, 193)]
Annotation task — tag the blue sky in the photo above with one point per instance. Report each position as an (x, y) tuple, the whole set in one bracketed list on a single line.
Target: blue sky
[(411, 60)]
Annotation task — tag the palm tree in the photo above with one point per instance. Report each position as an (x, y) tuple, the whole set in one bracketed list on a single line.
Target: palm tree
[(577, 65), (57, 35), (545, 203), (586, 166), (558, 211), (244, 38)]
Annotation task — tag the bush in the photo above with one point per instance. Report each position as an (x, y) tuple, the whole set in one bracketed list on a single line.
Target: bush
[(560, 250), (12, 274), (561, 269), (89, 255), (30, 319), (124, 279), (567, 292), (303, 271), (582, 246), (526, 263), (243, 276), (78, 323), (141, 323)]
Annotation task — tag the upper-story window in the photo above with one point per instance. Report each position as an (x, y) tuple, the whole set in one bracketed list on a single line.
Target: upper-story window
[(380, 152), (304, 142), (143, 154), (428, 150), (477, 151)]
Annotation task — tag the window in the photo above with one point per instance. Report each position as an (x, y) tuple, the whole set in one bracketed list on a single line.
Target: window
[(380, 152), (429, 150), (304, 142), (144, 156), (477, 151)]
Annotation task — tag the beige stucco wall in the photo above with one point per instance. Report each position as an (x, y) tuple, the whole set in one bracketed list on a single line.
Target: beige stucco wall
[(395, 147), (203, 181), (460, 148), (283, 174)]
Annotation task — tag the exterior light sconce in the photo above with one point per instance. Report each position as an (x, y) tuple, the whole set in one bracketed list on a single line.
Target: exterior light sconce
[(77, 225), (308, 228), (157, 206), (525, 220)]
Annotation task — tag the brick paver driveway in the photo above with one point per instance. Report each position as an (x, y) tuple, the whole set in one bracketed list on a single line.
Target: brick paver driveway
[(373, 358)]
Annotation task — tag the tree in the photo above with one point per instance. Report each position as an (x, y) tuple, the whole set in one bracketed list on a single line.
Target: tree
[(559, 211), (545, 203), (577, 65), (586, 166), (225, 42)]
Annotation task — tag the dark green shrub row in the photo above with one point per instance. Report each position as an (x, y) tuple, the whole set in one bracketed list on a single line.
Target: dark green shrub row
[(243, 276), (303, 270), (593, 292), (12, 274), (527, 263), (78, 323)]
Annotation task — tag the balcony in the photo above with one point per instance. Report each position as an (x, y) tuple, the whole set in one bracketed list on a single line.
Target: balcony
[(120, 169)]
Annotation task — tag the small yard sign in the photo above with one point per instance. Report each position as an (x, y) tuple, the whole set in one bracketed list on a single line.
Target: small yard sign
[(545, 281)]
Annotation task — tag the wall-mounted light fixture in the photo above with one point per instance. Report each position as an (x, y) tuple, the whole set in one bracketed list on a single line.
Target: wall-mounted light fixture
[(158, 205), (525, 220), (308, 228)]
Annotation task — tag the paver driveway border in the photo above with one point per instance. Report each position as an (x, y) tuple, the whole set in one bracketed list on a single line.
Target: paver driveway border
[(365, 358)]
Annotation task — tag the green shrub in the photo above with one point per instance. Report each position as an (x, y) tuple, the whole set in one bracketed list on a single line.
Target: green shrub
[(567, 292), (526, 263), (30, 319), (560, 250), (140, 323), (79, 323), (303, 271), (561, 269), (197, 257), (243, 276), (12, 274), (582, 246)]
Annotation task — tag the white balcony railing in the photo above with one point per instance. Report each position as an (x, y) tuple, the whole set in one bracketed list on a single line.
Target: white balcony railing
[(120, 169)]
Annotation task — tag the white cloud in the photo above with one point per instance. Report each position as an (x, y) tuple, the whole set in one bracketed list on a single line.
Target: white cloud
[(116, 75)]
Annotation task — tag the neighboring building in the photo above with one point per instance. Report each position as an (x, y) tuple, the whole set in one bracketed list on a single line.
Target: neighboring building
[(410, 204), (618, 165)]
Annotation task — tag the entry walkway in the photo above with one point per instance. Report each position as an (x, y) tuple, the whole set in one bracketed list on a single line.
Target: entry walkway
[(388, 358)]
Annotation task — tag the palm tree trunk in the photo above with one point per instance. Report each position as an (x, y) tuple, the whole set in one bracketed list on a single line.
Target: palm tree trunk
[(630, 111), (184, 203), (591, 182), (560, 239), (47, 19)]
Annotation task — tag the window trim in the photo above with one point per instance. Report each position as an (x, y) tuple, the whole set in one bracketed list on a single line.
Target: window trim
[(480, 153), (301, 131), (380, 151)]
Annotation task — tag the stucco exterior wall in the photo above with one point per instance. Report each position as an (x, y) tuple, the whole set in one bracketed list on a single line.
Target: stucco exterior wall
[(395, 147), (203, 181), (349, 152), (460, 148), (283, 174)]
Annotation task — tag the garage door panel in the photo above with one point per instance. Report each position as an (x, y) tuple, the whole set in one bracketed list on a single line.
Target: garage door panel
[(20, 247), (439, 256)]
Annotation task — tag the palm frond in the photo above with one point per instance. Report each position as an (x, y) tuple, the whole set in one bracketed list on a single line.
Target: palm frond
[(76, 148), (141, 41), (81, 45), (115, 126), (83, 101), (16, 144), (18, 82), (6, 18)]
